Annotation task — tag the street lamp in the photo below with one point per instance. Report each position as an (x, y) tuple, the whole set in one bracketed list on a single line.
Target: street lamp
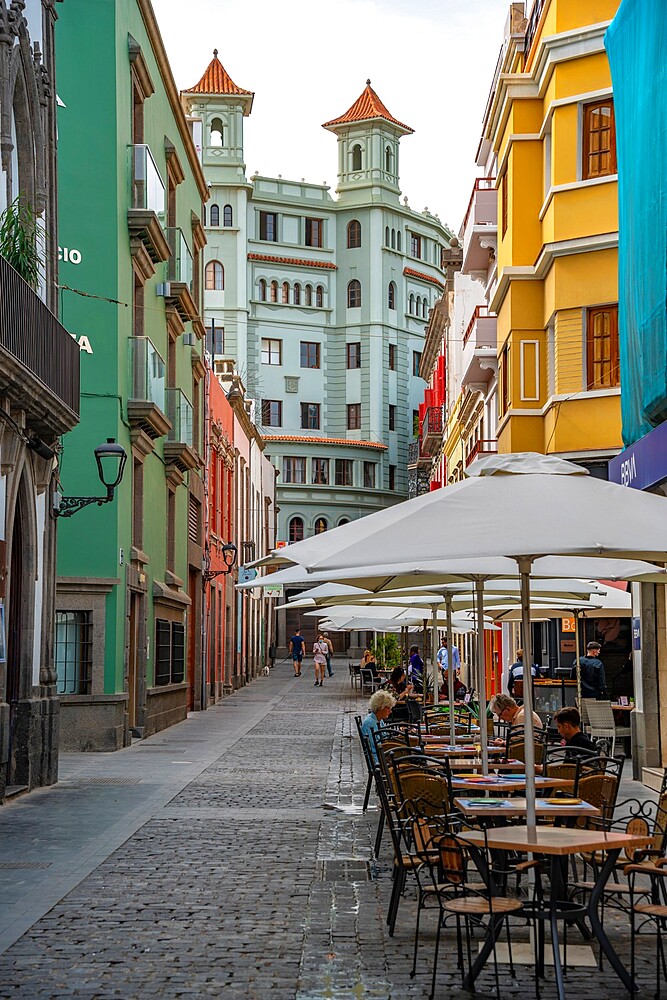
[(110, 458), (229, 555)]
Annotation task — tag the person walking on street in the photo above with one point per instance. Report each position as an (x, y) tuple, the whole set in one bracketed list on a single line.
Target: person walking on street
[(320, 650), (443, 657), (296, 645), (325, 636), (416, 669), (593, 680)]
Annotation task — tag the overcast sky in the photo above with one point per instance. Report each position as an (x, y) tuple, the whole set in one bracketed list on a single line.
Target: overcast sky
[(430, 61)]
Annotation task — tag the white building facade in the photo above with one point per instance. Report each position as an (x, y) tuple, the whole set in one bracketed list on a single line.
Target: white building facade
[(321, 303)]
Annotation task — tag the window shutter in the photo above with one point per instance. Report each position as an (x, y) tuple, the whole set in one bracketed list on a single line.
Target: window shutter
[(177, 652), (194, 508), (162, 651)]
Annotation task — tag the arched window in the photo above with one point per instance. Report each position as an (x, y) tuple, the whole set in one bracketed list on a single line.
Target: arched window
[(216, 132), (309, 295), (296, 529), (411, 305), (321, 525), (343, 520), (388, 160), (227, 216), (262, 290), (353, 234), (393, 239), (391, 296), (215, 215), (274, 291), (353, 294), (418, 306), (215, 276), (285, 293), (356, 157), (319, 297), (386, 236), (297, 294), (398, 240), (425, 307)]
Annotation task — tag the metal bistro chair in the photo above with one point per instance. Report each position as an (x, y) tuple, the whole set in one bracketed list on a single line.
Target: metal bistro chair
[(652, 906), (368, 759), (369, 683), (601, 723)]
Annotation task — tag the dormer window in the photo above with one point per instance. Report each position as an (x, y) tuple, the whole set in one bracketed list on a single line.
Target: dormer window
[(217, 132), (356, 157)]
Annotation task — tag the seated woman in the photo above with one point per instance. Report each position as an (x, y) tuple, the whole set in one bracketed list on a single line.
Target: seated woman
[(398, 685), (379, 709), (460, 689), (368, 662)]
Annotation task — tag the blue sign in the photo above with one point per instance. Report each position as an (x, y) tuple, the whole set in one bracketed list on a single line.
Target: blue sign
[(246, 574), (643, 464), (636, 633)]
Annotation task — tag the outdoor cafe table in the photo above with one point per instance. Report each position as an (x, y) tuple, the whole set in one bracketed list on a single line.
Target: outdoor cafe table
[(446, 750), (506, 783), (507, 808), (475, 764), (558, 843)]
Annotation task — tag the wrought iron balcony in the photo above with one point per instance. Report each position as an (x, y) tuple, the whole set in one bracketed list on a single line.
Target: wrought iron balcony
[(487, 446), (416, 457), (146, 404), (146, 213), (39, 360), (432, 430)]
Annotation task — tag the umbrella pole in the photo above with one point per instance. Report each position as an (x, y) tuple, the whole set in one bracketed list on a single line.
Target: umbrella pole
[(577, 653), (434, 652), (450, 667), (481, 673), (528, 728)]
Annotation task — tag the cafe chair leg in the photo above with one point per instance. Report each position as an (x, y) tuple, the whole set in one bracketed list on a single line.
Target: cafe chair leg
[(369, 785), (378, 835), (435, 954)]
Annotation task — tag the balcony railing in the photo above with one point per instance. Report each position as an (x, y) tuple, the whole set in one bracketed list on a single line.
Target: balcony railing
[(179, 267), (179, 412), (33, 336), (481, 184), (481, 312), (147, 371), (487, 446), (148, 191), (432, 430), (531, 27)]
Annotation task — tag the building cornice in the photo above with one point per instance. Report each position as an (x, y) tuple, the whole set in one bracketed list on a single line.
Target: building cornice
[(325, 265), (410, 272), (335, 442), (155, 38)]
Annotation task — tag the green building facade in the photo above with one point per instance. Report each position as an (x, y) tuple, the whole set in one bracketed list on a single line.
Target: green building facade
[(128, 622)]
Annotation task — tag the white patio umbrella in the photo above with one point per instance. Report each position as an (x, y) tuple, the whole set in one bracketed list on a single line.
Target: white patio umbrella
[(518, 506)]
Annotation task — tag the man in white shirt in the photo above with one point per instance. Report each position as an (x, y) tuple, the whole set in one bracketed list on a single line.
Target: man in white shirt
[(508, 711), (443, 657)]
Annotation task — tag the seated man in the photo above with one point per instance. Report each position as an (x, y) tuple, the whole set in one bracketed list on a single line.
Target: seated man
[(508, 711), (568, 722), (379, 709)]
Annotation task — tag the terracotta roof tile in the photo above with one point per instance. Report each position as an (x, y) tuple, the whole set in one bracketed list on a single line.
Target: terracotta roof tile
[(368, 105), (327, 265), (216, 80), (324, 440), (410, 272)]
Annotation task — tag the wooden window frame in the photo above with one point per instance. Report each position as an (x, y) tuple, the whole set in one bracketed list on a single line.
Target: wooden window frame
[(354, 294), (304, 354), (370, 475), (291, 478), (314, 232), (268, 224), (293, 534), (353, 234), (354, 416), (270, 351), (392, 416), (310, 416), (268, 412), (344, 472), (415, 244), (392, 357), (612, 356), (320, 471), (589, 132), (350, 356)]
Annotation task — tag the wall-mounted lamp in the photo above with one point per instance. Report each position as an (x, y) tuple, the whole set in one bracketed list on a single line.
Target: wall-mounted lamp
[(229, 555), (111, 458)]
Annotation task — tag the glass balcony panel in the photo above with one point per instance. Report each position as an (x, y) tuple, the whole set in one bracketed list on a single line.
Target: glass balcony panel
[(147, 371), (148, 191), (179, 412), (180, 262)]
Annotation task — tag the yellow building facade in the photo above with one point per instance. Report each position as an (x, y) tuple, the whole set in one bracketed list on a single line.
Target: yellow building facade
[(549, 131)]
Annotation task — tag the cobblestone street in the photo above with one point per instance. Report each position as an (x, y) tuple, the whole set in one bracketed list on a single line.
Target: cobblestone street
[(225, 857)]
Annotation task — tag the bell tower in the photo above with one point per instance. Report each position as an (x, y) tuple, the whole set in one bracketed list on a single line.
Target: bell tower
[(217, 108), (368, 148)]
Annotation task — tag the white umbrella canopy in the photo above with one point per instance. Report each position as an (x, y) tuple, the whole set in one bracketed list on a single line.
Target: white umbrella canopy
[(434, 572), (326, 591), (514, 506)]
